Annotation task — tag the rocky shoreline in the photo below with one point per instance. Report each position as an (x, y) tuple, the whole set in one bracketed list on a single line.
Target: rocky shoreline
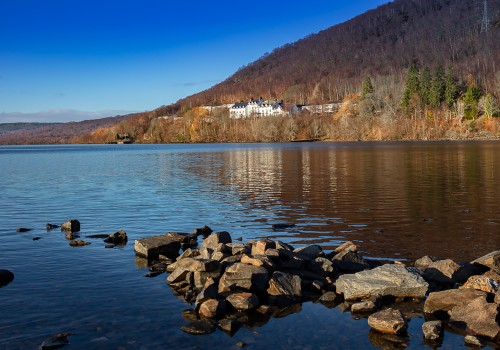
[(243, 284)]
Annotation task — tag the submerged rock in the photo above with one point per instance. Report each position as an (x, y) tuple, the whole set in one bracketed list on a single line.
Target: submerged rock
[(71, 226), (23, 229), (51, 227), (433, 330), (277, 227), (119, 237), (363, 307), (55, 342), (198, 327), (389, 321), (6, 277), (152, 247), (78, 243), (390, 279)]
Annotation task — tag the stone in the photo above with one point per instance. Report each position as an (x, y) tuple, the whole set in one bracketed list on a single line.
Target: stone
[(239, 248), (349, 261), (424, 262), (363, 307), (433, 330), (23, 229), (474, 341), (386, 280), (243, 276), (203, 231), (309, 253), (159, 267), (153, 274), (51, 227), (243, 301), (284, 246), (119, 237), (285, 284), (198, 265), (482, 283), (213, 308), (329, 297), (70, 235), (321, 265), (241, 344), (491, 261), (260, 247), (219, 256), (189, 253), (445, 272), (99, 235), (55, 342), (209, 291), (347, 246), (258, 260), (229, 325), (388, 321), (277, 227), (215, 239), (152, 247), (441, 303), (78, 243), (198, 327), (200, 278), (479, 318), (178, 275), (36, 238), (6, 277), (71, 226)]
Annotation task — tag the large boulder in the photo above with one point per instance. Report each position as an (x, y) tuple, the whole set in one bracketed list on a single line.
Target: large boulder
[(389, 279), (441, 303), (152, 247), (388, 321), (243, 301), (479, 318), (216, 242), (349, 261), (285, 284), (198, 265), (71, 226), (245, 277), (213, 308), (445, 272), (491, 261)]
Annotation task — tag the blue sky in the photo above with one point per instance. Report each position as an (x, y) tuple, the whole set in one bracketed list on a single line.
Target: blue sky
[(59, 58)]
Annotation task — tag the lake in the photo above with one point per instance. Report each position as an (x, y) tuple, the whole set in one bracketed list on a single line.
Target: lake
[(396, 201)]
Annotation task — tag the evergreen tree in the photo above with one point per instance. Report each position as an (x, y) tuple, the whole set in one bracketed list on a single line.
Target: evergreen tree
[(451, 89), (437, 87), (411, 86), (471, 99), (367, 87), (425, 85)]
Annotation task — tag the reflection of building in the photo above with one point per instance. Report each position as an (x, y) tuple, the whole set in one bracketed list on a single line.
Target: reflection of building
[(257, 108)]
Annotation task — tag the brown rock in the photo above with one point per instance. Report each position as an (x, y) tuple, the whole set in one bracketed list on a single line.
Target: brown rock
[(189, 253), (445, 271), (243, 276), (229, 325), (258, 260), (119, 237), (6, 277), (71, 226), (491, 261), (482, 283), (198, 327), (203, 231), (424, 262), (152, 247), (444, 301), (200, 278), (243, 301), (363, 307), (348, 246), (78, 243), (285, 284), (478, 316), (22, 229), (70, 235), (433, 330), (260, 247), (198, 265), (389, 321), (176, 276), (309, 252), (213, 308)]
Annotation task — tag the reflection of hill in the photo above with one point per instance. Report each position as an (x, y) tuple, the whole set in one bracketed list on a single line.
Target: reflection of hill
[(397, 200)]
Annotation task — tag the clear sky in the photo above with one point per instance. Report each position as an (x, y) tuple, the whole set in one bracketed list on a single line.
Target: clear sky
[(105, 57)]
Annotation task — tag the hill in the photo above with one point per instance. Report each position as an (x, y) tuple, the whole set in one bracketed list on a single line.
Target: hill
[(9, 127)]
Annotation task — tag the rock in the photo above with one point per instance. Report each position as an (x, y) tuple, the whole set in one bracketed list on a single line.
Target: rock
[(153, 274), (200, 278), (241, 344), (189, 315), (51, 227), (285, 284), (189, 253), (102, 236), (215, 243), (36, 238), (309, 253), (23, 229), (71, 226), (284, 246), (159, 267), (433, 330), (363, 307), (347, 246), (213, 308), (260, 247), (239, 248), (208, 292), (389, 321), (329, 297), (70, 236), (243, 301), (258, 260), (321, 265), (198, 327), (243, 276), (176, 276), (445, 272), (152, 247), (482, 283), (229, 325), (55, 342), (349, 261), (441, 303), (78, 243), (491, 261), (6, 277), (479, 317), (389, 279), (198, 265), (424, 262), (203, 231), (119, 237), (277, 227), (474, 341)]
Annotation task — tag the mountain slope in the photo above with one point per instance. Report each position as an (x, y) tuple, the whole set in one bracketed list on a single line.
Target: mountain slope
[(382, 42)]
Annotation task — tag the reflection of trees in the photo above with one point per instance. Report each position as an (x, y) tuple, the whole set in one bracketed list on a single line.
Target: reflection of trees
[(378, 194)]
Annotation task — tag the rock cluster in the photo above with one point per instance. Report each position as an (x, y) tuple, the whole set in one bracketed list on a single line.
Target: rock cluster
[(245, 283)]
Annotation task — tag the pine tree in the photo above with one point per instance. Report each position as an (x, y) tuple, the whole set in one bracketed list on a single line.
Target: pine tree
[(411, 86), (367, 87), (471, 99), (437, 87), (451, 89), (425, 85)]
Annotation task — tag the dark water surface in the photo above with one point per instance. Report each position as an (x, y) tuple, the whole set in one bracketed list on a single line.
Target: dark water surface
[(395, 200)]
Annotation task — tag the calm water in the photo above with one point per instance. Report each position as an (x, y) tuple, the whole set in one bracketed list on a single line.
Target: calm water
[(395, 200)]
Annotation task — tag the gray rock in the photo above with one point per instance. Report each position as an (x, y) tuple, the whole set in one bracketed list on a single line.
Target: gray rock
[(474, 341), (433, 330), (209, 291), (71, 226), (243, 301), (321, 265), (491, 261), (309, 253), (329, 297), (285, 284), (119, 237), (198, 265), (6, 277), (57, 341), (445, 272), (479, 318), (152, 247), (388, 321), (215, 239), (198, 327), (390, 279), (243, 276), (441, 303), (363, 307)]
